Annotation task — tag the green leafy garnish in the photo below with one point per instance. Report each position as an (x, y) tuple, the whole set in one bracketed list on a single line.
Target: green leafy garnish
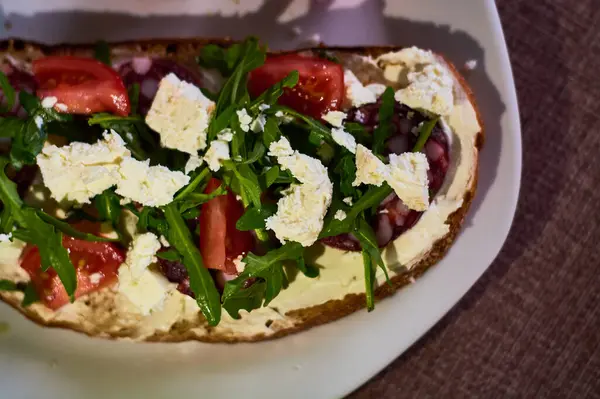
[(7, 285), (108, 206), (30, 295), (9, 93), (316, 127), (272, 94), (254, 218), (424, 133), (29, 135), (102, 52), (384, 129), (67, 229), (170, 255), (201, 282), (268, 270)]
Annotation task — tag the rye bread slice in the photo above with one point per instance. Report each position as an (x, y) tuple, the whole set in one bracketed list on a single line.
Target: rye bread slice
[(99, 307)]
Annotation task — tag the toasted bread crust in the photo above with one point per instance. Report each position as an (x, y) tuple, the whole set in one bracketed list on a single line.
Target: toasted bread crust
[(185, 50)]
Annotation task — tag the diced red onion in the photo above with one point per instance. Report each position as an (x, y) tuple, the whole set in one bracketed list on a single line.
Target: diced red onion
[(141, 65), (149, 87), (384, 230), (434, 150), (388, 199), (398, 144)]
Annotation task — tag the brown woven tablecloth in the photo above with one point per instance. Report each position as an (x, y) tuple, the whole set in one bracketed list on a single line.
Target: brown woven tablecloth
[(530, 327)]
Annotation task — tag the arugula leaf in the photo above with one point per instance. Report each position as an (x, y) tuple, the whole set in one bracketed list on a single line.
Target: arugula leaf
[(372, 197), (219, 123), (67, 229), (170, 255), (267, 268), (258, 151), (248, 181), (234, 90), (102, 52), (9, 93), (149, 219), (29, 136), (272, 94), (200, 178), (131, 129), (223, 59), (316, 128), (134, 97), (201, 282), (345, 168), (7, 285), (384, 130), (424, 133), (193, 200), (271, 132), (247, 299), (369, 279), (108, 206), (31, 295), (9, 126), (368, 241), (270, 176), (359, 132), (254, 218), (308, 270)]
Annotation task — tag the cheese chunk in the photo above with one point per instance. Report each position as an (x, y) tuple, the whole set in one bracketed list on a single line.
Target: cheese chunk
[(244, 119), (334, 118), (429, 89), (193, 163), (428, 82), (344, 139), (406, 174), (356, 92), (408, 178), (217, 152), (180, 113), (144, 288), (301, 211), (369, 168), (148, 185), (80, 171)]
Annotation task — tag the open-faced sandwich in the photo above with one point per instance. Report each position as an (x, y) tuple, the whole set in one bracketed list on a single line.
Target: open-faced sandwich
[(211, 190)]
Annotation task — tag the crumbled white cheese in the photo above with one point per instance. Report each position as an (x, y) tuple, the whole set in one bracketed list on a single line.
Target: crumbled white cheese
[(61, 107), (348, 201), (406, 174), (408, 178), (369, 168), (240, 265), (217, 152), (95, 278), (180, 113), (148, 185), (49, 102), (356, 92), (264, 107), (334, 118), (193, 163), (376, 88), (80, 171), (244, 118), (144, 288), (5, 237), (409, 57), (258, 124), (343, 138), (39, 122), (339, 215), (301, 210), (470, 65), (164, 242), (384, 211), (430, 89), (225, 135)]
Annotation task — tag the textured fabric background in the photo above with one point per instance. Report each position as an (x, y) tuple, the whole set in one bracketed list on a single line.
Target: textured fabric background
[(530, 327)]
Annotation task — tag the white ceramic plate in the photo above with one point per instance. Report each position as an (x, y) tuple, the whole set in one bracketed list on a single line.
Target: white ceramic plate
[(324, 362)]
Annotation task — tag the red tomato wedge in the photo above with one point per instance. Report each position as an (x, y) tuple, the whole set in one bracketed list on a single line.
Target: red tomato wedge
[(220, 241), (320, 85), (84, 85), (96, 265)]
